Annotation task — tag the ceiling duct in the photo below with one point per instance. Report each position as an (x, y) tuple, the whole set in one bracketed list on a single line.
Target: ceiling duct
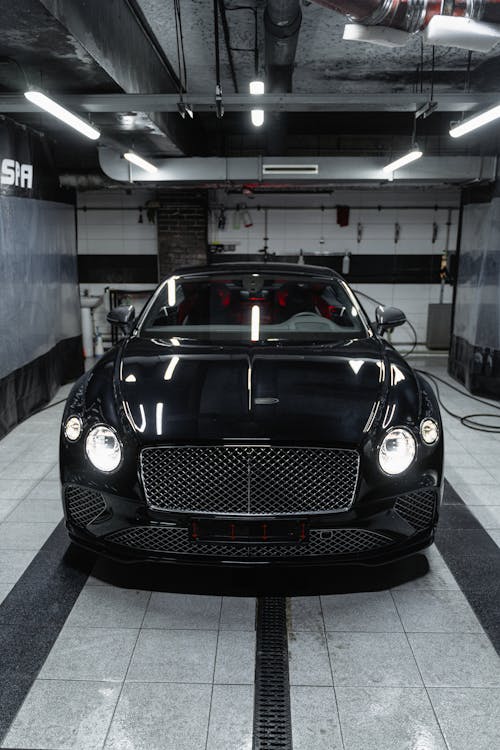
[(468, 24), (289, 171)]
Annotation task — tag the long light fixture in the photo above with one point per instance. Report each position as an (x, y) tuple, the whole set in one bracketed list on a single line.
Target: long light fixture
[(412, 155), (472, 123), (257, 88), (257, 116), (63, 114), (140, 162)]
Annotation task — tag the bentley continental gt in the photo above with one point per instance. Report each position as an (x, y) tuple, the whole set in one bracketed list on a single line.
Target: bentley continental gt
[(252, 413)]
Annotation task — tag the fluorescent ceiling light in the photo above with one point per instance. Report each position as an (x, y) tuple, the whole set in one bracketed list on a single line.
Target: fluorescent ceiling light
[(472, 123), (140, 162), (257, 88), (63, 114), (257, 116), (406, 159)]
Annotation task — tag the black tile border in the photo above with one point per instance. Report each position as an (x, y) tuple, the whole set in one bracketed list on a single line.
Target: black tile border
[(33, 614), (473, 558)]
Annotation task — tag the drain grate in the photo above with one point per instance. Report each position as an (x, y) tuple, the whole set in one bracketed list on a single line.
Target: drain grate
[(272, 720)]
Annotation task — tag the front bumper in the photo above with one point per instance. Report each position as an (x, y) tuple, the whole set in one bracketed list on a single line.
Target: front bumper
[(125, 530)]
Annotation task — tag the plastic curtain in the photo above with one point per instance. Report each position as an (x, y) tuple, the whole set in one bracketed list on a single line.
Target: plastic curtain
[(39, 300), (477, 306)]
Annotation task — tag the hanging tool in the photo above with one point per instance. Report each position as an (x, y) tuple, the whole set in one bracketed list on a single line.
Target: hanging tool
[(242, 215), (322, 238), (444, 271), (221, 221), (247, 219)]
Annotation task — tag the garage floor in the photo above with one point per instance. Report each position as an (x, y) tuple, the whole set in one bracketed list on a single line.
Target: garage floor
[(405, 664)]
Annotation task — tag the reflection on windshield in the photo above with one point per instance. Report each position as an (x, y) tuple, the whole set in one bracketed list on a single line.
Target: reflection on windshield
[(253, 307)]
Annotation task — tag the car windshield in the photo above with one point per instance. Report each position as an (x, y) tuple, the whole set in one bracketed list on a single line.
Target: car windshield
[(254, 307)]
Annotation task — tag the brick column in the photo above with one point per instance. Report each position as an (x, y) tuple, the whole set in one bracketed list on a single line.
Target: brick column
[(182, 229)]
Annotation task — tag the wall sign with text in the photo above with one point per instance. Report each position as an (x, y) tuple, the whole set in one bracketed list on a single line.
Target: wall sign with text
[(27, 168)]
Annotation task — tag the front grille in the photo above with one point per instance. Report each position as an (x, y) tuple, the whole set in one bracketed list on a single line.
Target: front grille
[(417, 507), (249, 480), (321, 542), (83, 505)]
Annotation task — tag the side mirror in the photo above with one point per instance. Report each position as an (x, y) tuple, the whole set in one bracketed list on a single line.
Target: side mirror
[(123, 317), (388, 318)]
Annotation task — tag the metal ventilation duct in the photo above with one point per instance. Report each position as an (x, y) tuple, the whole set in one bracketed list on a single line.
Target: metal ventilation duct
[(471, 24), (290, 171)]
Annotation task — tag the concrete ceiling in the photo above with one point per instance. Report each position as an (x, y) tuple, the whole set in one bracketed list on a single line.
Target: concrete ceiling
[(324, 62), (91, 47)]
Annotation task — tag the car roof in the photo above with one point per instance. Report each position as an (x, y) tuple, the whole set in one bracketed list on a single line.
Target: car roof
[(256, 267)]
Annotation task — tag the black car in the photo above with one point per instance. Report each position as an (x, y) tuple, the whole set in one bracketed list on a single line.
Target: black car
[(252, 413)]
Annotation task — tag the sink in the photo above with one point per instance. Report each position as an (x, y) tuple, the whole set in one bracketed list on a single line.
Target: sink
[(91, 301)]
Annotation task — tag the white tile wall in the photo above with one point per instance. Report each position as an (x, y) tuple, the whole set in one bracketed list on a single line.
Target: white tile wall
[(413, 299), (114, 231), (290, 231)]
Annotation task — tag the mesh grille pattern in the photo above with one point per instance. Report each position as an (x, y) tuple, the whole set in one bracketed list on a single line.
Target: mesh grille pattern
[(417, 507), (256, 480), (83, 505), (175, 540)]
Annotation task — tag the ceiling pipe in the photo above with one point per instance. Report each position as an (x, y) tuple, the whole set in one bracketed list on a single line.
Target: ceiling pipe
[(282, 19)]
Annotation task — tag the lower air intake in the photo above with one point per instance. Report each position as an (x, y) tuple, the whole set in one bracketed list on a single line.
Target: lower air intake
[(417, 508), (322, 542), (83, 505)]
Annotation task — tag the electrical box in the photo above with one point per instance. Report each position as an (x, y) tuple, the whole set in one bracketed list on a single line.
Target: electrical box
[(439, 326)]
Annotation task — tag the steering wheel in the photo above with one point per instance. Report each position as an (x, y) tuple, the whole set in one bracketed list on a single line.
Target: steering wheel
[(306, 314), (314, 318)]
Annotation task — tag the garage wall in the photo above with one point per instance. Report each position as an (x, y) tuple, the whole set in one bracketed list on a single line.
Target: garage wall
[(115, 250), (404, 273)]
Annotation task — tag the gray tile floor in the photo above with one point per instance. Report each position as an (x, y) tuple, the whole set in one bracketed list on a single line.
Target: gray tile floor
[(405, 669)]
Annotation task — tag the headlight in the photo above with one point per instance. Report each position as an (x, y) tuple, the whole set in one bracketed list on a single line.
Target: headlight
[(103, 448), (73, 428), (397, 451), (429, 431)]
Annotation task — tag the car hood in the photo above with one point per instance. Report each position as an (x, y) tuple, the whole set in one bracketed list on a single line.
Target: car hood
[(313, 395)]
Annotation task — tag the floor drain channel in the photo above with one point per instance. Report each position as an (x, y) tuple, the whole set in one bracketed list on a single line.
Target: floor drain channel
[(272, 720)]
